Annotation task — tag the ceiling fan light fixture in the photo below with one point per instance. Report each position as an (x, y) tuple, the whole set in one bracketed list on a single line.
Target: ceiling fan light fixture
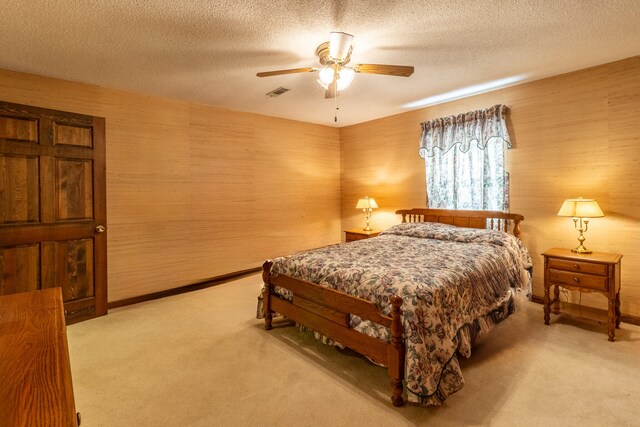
[(345, 77), (339, 45), (341, 85), (326, 75), (333, 74)]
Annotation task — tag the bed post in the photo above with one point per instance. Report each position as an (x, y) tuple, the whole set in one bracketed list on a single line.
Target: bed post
[(516, 228), (266, 296), (396, 352)]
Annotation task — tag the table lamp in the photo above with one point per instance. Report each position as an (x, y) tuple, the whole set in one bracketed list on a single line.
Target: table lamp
[(367, 205), (580, 209)]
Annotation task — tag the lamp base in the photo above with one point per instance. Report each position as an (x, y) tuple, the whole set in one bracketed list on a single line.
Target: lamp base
[(581, 250), (583, 228), (367, 217)]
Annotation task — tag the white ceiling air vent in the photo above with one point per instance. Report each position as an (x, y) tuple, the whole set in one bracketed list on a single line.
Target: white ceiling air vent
[(278, 91)]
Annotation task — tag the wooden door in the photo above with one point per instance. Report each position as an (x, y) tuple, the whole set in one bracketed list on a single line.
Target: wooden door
[(53, 206)]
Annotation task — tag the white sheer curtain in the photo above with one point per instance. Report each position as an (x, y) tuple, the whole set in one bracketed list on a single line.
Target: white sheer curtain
[(465, 160)]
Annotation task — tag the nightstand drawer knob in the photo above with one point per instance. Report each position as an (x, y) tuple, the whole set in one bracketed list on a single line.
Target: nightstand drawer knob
[(576, 279), (576, 266)]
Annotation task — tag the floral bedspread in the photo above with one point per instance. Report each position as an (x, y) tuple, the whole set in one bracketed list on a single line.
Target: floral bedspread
[(456, 283)]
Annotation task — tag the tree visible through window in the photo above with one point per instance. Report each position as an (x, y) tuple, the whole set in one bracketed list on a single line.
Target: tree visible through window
[(465, 160)]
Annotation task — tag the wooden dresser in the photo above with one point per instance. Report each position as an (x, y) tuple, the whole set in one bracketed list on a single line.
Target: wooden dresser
[(35, 373), (595, 272)]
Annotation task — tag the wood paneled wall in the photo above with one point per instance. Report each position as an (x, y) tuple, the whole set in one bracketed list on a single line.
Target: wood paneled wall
[(576, 134), (194, 191)]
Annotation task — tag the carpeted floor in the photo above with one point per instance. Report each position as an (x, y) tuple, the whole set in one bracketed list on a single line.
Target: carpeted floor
[(202, 359)]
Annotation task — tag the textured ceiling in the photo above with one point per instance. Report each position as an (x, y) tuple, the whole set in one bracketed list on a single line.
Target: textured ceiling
[(209, 51)]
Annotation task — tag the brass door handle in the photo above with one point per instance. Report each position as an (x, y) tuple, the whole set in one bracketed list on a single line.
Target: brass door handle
[(100, 229)]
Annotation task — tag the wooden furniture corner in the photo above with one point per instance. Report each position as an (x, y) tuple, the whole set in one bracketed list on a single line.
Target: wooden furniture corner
[(595, 272), (35, 372)]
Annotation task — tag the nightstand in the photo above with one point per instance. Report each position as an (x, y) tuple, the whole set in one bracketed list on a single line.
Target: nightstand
[(359, 234), (594, 272)]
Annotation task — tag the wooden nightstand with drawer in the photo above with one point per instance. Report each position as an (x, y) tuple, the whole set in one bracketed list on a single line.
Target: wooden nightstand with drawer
[(594, 272), (359, 234)]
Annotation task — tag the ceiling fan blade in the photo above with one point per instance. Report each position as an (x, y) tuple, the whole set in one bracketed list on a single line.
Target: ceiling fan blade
[(339, 45), (389, 70), (289, 71), (332, 91)]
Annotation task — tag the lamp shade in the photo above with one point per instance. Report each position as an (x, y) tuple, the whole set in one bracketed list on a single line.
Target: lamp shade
[(326, 75), (367, 203), (345, 78), (580, 208)]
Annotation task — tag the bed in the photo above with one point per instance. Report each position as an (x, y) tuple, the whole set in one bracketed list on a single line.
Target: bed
[(412, 299)]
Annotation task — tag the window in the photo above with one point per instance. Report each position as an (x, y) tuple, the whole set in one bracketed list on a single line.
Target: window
[(465, 160)]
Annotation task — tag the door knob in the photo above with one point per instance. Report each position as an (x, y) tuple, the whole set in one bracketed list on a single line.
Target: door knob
[(100, 229)]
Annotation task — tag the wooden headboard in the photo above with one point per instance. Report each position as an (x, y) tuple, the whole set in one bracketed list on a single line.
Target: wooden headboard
[(494, 220)]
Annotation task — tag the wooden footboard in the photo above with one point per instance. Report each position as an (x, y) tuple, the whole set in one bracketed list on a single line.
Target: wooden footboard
[(328, 312)]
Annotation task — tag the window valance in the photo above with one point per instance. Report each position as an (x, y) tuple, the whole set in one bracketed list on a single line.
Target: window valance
[(479, 127)]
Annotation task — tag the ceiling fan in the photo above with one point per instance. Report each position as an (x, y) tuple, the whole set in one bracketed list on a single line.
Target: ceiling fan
[(335, 75)]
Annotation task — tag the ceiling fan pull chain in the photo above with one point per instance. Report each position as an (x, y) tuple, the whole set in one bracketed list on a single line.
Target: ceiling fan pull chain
[(335, 118)]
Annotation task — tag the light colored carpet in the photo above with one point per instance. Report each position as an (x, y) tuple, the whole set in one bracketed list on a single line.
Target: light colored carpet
[(202, 359)]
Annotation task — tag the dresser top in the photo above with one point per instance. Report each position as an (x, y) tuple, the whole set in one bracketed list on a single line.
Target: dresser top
[(601, 257)]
